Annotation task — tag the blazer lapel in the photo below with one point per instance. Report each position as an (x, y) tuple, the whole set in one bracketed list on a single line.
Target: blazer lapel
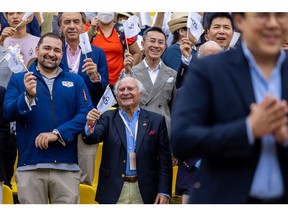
[(159, 82), (241, 76), (120, 126), (142, 127)]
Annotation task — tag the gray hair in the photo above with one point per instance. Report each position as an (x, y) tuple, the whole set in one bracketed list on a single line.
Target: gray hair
[(139, 85), (59, 19)]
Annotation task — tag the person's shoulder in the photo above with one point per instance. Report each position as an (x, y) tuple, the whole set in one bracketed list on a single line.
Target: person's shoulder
[(152, 115), (169, 69), (173, 47), (30, 36), (96, 49)]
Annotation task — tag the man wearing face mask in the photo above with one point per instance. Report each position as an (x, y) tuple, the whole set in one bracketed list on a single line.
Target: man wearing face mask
[(104, 33)]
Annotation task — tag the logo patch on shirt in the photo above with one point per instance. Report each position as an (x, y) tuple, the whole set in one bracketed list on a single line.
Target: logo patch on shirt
[(67, 84)]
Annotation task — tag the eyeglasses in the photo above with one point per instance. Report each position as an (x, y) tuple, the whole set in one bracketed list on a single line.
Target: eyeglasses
[(154, 42), (262, 18)]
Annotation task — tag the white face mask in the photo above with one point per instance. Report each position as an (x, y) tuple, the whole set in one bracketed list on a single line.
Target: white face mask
[(106, 17)]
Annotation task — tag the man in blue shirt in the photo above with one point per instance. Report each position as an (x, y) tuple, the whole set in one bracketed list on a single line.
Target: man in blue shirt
[(136, 164), (235, 117)]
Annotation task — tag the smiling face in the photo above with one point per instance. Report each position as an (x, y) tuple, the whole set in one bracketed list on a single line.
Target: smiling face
[(49, 54), (263, 33), (220, 31), (128, 94), (154, 45)]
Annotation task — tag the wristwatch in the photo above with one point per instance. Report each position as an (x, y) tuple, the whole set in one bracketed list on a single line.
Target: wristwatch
[(56, 132)]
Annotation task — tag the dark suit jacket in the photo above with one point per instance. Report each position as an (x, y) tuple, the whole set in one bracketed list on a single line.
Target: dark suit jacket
[(4, 134), (153, 157), (209, 123), (98, 56)]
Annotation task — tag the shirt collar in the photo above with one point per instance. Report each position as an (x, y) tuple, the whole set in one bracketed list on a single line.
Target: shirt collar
[(68, 48), (147, 66), (136, 113), (251, 60)]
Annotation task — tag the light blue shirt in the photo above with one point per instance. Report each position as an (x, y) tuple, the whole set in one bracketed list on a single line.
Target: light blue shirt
[(267, 181), (130, 138)]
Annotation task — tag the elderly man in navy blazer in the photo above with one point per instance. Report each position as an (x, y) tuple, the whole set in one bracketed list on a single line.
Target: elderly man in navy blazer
[(233, 115), (136, 164)]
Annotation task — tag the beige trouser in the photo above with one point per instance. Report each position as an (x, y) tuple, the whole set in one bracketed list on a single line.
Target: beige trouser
[(86, 160), (35, 186), (130, 194)]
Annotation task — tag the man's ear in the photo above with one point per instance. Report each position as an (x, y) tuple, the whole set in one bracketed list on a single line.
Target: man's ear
[(36, 50)]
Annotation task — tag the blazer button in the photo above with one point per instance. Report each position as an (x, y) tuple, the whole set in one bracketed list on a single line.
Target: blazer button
[(123, 175), (159, 105), (197, 185), (124, 161)]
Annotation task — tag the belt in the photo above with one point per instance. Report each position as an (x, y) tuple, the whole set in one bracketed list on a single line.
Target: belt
[(130, 179), (253, 200)]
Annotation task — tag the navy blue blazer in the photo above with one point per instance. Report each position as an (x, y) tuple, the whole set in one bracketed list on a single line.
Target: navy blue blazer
[(98, 56), (4, 134), (153, 156), (209, 122)]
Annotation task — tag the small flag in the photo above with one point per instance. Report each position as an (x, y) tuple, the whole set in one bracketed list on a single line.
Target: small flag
[(235, 38), (131, 27), (14, 58), (85, 43), (144, 19), (194, 24), (26, 15), (107, 100)]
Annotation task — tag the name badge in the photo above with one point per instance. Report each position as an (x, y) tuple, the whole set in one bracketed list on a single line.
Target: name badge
[(132, 156)]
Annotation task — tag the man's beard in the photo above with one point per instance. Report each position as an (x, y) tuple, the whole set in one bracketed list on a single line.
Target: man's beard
[(48, 66)]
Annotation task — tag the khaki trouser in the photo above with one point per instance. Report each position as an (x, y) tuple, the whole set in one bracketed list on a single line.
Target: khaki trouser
[(35, 186), (86, 160), (130, 194)]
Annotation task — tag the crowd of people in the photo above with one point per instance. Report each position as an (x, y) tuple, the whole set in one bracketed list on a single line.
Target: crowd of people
[(214, 104)]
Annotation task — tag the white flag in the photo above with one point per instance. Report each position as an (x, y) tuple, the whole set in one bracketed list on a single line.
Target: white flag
[(26, 15), (235, 38), (14, 58), (85, 43), (194, 24), (144, 19), (131, 28), (107, 100)]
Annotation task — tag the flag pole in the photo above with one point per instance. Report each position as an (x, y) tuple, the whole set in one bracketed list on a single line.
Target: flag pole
[(126, 42), (19, 24)]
